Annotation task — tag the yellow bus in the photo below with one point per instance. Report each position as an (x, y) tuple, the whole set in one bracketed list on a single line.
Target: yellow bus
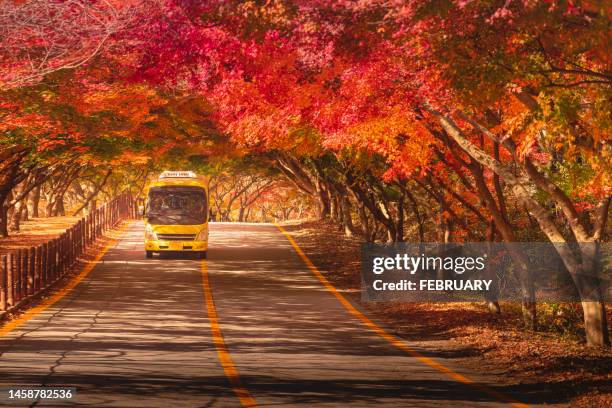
[(176, 214)]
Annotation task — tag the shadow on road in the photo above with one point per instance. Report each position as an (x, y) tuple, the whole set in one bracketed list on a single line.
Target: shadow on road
[(137, 331)]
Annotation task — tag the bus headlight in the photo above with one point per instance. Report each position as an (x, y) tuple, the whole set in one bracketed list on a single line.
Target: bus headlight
[(203, 235), (150, 235)]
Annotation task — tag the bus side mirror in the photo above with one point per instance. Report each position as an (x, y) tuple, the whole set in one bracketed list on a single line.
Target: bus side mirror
[(141, 211)]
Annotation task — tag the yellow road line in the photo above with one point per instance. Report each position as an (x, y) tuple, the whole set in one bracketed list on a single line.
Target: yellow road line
[(19, 321), (396, 341), (226, 360)]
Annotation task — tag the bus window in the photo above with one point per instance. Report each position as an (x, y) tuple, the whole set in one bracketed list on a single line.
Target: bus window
[(177, 205)]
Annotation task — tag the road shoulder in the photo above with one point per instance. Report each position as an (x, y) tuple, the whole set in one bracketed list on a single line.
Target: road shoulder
[(547, 366)]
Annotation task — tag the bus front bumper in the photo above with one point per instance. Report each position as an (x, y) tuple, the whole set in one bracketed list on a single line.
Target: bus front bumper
[(159, 246)]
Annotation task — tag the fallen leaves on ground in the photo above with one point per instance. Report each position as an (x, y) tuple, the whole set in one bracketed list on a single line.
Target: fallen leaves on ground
[(551, 367), (37, 231)]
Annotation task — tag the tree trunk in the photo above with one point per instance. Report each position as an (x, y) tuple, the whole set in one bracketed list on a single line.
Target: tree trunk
[(4, 221), (492, 296), (417, 214), (377, 209), (93, 205), (5, 198), (35, 200), (49, 207), (400, 219), (17, 215), (333, 206), (347, 221), (594, 315), (92, 194), (25, 216), (595, 322), (294, 171), (447, 231), (59, 206), (445, 205), (522, 194), (386, 219), (365, 224), (447, 227), (506, 230), (322, 200), (588, 283)]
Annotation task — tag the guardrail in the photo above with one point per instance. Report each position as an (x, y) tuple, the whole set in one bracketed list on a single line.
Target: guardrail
[(26, 272)]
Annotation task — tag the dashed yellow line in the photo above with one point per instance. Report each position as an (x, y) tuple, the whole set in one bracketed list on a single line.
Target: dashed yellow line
[(224, 356), (19, 321), (394, 340)]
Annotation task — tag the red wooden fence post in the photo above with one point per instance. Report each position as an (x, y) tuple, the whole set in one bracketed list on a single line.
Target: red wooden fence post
[(60, 256), (68, 247), (31, 271), (43, 250), (24, 272), (66, 254), (37, 272), (78, 238), (52, 265), (61, 248), (16, 276), (57, 255), (10, 290), (50, 258), (3, 283), (71, 248), (63, 255)]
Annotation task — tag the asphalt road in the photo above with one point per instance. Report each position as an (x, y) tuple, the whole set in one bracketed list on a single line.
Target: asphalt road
[(137, 332)]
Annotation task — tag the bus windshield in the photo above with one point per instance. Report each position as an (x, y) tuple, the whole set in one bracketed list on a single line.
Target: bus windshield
[(176, 205)]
